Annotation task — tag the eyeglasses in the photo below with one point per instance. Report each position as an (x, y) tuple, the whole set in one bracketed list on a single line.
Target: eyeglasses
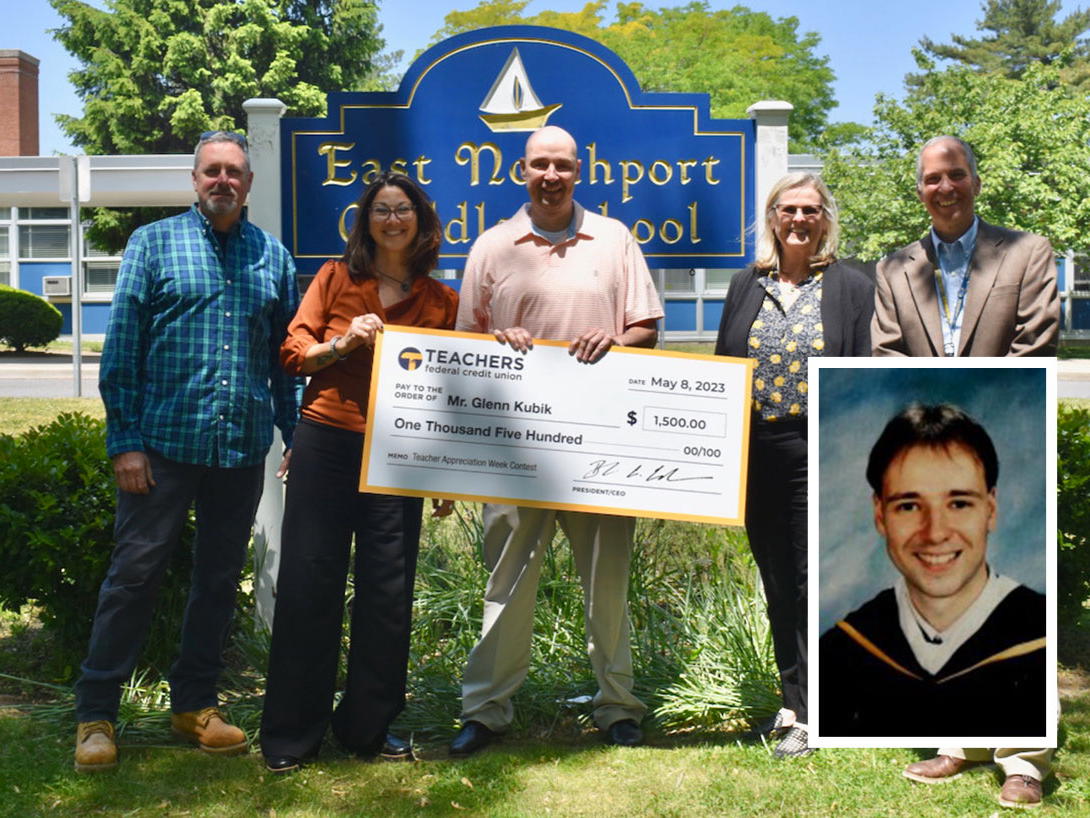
[(224, 136), (809, 211), (381, 213)]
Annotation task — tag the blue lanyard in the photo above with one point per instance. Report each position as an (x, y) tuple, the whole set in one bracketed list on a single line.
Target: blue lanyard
[(951, 323)]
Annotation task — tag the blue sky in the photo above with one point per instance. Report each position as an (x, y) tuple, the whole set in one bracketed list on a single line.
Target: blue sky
[(868, 43)]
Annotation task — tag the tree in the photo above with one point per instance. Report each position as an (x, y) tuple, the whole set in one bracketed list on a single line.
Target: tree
[(155, 74), (737, 56), (1031, 136), (1023, 32)]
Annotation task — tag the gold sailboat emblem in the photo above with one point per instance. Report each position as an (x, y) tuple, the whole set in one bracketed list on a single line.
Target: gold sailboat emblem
[(511, 104)]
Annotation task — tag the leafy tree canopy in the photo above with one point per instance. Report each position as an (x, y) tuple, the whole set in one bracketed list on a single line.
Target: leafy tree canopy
[(155, 74), (1031, 136), (1018, 33), (737, 56)]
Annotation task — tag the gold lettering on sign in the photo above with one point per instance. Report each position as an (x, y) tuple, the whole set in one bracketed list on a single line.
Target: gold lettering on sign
[(638, 229), (708, 164), (683, 169), (461, 223), (469, 153), (694, 237), (675, 228), (595, 164), (372, 169), (342, 223), (333, 164), (665, 172), (419, 162), (631, 172)]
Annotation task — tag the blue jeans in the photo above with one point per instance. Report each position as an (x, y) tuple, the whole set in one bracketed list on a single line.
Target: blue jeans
[(146, 530)]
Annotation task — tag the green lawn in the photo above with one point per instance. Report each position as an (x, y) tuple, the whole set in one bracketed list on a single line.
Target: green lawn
[(702, 775), (19, 414), (551, 766)]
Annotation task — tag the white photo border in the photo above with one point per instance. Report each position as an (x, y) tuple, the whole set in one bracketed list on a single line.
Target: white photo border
[(1051, 703)]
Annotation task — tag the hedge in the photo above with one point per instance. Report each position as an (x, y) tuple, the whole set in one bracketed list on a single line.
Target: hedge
[(57, 500), (27, 320)]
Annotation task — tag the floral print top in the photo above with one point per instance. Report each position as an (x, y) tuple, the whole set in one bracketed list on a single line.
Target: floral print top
[(786, 332)]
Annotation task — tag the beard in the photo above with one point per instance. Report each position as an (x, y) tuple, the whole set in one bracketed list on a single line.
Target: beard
[(217, 203)]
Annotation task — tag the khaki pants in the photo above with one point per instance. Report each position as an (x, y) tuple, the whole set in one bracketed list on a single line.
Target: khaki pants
[(515, 539), (1034, 763)]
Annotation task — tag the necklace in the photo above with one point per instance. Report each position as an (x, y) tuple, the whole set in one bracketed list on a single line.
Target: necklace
[(404, 285)]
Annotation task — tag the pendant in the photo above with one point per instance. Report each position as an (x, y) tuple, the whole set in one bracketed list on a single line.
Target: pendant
[(948, 349)]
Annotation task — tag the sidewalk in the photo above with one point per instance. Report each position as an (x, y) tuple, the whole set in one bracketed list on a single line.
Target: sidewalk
[(51, 376), (47, 375)]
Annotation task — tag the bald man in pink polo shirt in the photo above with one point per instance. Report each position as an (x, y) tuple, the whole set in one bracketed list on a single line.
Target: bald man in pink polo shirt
[(558, 272)]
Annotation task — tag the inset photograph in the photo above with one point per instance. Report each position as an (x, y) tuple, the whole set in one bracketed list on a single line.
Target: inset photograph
[(932, 553)]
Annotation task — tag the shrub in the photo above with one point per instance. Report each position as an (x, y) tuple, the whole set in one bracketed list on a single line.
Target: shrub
[(27, 320), (702, 652), (56, 535), (1072, 514)]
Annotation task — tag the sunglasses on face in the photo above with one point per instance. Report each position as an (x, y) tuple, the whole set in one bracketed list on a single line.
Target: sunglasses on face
[(237, 138)]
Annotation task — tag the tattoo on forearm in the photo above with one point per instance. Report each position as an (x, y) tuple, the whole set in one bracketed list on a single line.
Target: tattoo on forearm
[(325, 358)]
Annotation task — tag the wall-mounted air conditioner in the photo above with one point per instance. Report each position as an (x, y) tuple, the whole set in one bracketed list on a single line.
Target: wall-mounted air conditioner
[(56, 285)]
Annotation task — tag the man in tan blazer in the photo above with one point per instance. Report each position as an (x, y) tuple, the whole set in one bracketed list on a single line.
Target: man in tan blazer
[(967, 287)]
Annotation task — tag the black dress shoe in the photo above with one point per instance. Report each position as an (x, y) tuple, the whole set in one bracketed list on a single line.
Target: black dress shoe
[(625, 733), (471, 738), (282, 764), (396, 749)]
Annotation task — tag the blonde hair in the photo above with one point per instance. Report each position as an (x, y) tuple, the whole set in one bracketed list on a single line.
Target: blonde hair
[(768, 248)]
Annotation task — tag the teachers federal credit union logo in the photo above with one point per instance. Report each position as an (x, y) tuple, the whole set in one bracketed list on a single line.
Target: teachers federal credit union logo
[(410, 358)]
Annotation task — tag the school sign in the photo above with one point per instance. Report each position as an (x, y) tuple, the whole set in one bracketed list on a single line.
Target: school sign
[(682, 181)]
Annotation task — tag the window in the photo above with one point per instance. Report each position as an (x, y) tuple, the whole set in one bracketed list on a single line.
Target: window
[(717, 279), (43, 241), (100, 276), (5, 253), (44, 213), (679, 281)]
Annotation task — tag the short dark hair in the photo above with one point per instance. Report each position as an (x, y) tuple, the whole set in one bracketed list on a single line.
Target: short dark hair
[(937, 426), (359, 252)]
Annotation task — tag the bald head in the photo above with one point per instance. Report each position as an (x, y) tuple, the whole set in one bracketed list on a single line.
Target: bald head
[(551, 169), (552, 136)]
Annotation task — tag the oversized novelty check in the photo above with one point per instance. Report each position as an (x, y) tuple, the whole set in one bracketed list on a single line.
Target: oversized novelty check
[(640, 432)]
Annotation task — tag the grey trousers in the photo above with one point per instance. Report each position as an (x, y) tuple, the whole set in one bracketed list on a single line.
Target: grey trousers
[(515, 539)]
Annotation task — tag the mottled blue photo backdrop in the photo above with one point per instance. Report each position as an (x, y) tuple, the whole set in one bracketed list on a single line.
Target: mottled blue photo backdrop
[(854, 406)]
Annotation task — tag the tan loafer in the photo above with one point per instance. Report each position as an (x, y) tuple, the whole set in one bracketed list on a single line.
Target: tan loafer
[(96, 748), (1020, 792), (209, 731)]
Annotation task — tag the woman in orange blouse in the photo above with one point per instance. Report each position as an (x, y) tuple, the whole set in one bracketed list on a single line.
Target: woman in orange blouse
[(383, 276)]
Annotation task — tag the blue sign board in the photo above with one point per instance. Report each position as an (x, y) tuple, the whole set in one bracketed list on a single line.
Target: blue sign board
[(682, 181)]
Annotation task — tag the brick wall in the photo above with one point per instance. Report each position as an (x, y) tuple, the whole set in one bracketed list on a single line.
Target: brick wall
[(18, 103)]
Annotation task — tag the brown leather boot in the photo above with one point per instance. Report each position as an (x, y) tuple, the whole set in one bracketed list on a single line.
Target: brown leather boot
[(1020, 792), (938, 770), (209, 731), (95, 746)]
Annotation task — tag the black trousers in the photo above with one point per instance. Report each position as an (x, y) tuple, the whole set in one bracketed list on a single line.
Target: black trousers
[(323, 510), (776, 526)]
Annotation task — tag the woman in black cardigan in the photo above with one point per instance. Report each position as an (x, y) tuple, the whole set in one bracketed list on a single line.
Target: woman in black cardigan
[(794, 302)]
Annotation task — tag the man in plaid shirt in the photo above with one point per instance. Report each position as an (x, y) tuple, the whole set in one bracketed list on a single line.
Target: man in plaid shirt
[(192, 387)]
